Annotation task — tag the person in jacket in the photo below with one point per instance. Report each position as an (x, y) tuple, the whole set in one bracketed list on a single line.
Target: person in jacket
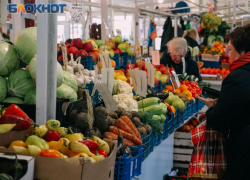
[(178, 56), (6, 37), (230, 113), (190, 36)]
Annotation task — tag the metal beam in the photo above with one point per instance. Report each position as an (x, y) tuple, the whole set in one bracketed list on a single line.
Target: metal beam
[(104, 17), (156, 3), (157, 12), (122, 8), (87, 3), (234, 13), (201, 6)]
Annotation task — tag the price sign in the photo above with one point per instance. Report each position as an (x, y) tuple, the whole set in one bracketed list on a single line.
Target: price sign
[(118, 32), (138, 50), (107, 97), (174, 79), (155, 57), (108, 78), (151, 75), (64, 53), (145, 47), (139, 81), (106, 62), (90, 108), (76, 12)]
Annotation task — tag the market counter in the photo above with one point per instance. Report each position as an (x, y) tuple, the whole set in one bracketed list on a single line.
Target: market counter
[(215, 84)]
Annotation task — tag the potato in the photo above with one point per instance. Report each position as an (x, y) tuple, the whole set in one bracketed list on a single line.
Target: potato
[(126, 113), (113, 115), (148, 129), (142, 131), (135, 114), (119, 111), (137, 122)]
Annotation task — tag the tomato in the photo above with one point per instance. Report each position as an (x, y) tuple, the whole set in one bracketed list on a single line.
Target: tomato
[(192, 83), (209, 71), (205, 71)]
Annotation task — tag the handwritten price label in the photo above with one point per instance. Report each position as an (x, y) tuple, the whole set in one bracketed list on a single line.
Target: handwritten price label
[(76, 12)]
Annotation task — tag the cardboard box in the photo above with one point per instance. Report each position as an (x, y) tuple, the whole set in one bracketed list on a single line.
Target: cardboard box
[(74, 168), (7, 138), (28, 163)]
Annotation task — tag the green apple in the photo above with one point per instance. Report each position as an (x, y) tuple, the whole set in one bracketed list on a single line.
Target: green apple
[(99, 43), (122, 47), (83, 41), (106, 47), (117, 39)]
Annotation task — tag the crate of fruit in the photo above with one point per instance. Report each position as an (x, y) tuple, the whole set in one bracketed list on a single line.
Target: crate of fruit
[(120, 60), (210, 57), (127, 167)]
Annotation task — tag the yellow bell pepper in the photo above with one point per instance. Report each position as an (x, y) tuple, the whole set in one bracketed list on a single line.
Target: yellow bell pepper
[(20, 149), (62, 130), (17, 143), (56, 145), (102, 144), (98, 157), (75, 137), (4, 128), (41, 130), (64, 148), (78, 147), (53, 124), (34, 150)]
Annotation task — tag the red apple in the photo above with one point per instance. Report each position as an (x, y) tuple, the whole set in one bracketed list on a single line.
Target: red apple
[(165, 72), (156, 81), (67, 45), (160, 66), (68, 41), (82, 53), (72, 50), (162, 69), (60, 58), (130, 66), (118, 51), (223, 60), (94, 56), (140, 64), (110, 43), (77, 43), (88, 46)]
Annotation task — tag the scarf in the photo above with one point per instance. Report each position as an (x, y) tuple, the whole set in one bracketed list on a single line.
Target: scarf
[(240, 61)]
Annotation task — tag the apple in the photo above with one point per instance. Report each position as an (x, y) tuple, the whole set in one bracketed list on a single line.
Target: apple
[(156, 81), (126, 43), (140, 64), (106, 47), (67, 45), (93, 42), (158, 73), (73, 50), (123, 47), (117, 39), (82, 53), (130, 66), (164, 78), (110, 43), (223, 60), (83, 41), (130, 53), (99, 43), (88, 46), (68, 41), (94, 56), (160, 66), (77, 43), (60, 58), (118, 51), (162, 69), (111, 53)]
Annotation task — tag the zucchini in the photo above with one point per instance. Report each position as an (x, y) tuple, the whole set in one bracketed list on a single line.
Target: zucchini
[(156, 109), (156, 118), (196, 79), (191, 77), (163, 118), (186, 77), (164, 108), (148, 102)]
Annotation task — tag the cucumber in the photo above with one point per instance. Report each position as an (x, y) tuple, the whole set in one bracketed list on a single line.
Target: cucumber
[(191, 78), (186, 77), (148, 102), (163, 118), (164, 108), (156, 109)]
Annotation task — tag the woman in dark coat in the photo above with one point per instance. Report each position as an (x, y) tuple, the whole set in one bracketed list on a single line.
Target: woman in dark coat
[(190, 36), (178, 56), (230, 113)]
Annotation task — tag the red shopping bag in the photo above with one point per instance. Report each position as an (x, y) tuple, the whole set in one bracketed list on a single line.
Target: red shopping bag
[(208, 159)]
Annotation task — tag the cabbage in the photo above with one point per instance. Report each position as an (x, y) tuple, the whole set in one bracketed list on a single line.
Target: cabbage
[(70, 80), (25, 43), (13, 100), (30, 97), (3, 88), (20, 83), (32, 70), (64, 91), (8, 59)]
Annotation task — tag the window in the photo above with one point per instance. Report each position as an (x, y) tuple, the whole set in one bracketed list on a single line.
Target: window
[(60, 33), (76, 31)]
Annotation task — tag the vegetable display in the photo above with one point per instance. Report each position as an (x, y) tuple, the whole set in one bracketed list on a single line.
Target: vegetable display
[(3, 88)]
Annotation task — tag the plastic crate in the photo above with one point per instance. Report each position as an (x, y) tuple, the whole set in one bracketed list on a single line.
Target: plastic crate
[(168, 126), (131, 59), (210, 57), (127, 167), (182, 116), (148, 145), (120, 61), (96, 98), (156, 88), (175, 118), (211, 64)]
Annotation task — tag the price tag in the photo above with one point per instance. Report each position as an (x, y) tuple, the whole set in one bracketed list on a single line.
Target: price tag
[(145, 47), (118, 32), (174, 79), (108, 78), (151, 75), (107, 97), (64, 53), (155, 57), (139, 81), (76, 12), (138, 50), (106, 62), (90, 108)]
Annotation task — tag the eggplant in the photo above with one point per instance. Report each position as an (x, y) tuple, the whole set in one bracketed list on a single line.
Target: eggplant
[(159, 95)]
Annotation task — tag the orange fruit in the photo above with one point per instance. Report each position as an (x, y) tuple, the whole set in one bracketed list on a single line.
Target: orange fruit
[(188, 93), (165, 90), (183, 87), (177, 91), (169, 87)]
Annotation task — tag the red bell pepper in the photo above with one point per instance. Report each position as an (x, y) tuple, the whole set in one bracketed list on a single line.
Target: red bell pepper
[(100, 152), (15, 110), (92, 145), (22, 123), (52, 136)]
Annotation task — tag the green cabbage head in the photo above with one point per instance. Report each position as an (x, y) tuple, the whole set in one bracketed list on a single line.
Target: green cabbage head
[(64, 91), (3, 88)]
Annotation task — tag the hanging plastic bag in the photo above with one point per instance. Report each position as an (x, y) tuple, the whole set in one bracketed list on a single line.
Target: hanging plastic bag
[(208, 160)]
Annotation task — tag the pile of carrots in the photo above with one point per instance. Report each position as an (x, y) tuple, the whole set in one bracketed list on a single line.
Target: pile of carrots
[(127, 129)]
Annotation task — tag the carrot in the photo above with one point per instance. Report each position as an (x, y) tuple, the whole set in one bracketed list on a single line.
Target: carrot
[(112, 136), (126, 135), (122, 125), (131, 125)]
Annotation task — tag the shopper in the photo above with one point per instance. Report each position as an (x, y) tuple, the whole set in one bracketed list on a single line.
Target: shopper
[(178, 56), (231, 112), (190, 36), (6, 37)]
